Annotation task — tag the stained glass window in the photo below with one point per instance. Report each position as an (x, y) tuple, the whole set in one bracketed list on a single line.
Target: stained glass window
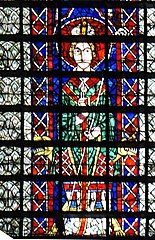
[(77, 122)]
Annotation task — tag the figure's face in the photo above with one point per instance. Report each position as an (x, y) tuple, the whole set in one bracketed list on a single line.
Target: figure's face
[(82, 55)]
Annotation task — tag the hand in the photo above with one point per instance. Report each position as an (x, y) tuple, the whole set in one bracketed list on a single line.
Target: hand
[(82, 102), (93, 133)]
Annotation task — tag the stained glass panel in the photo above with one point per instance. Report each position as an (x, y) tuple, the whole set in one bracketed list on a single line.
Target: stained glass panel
[(10, 226), (37, 92), (10, 21), (150, 22), (10, 91), (77, 119), (10, 160), (10, 55)]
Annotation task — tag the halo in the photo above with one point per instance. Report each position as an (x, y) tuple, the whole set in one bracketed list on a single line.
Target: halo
[(99, 28)]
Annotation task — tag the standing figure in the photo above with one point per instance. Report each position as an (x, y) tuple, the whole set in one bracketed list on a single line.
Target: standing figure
[(86, 126)]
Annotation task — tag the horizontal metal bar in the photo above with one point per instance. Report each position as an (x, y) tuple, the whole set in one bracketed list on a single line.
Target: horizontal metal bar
[(72, 214), (57, 143), (80, 3), (86, 237), (57, 73), (80, 178), (69, 38), (78, 109)]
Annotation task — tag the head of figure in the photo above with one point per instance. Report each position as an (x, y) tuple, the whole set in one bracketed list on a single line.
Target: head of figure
[(83, 54)]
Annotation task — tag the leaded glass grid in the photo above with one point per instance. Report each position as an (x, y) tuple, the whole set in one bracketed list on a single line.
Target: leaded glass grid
[(77, 122)]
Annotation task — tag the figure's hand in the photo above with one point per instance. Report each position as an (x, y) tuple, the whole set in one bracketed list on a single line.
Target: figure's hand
[(93, 133), (82, 102)]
